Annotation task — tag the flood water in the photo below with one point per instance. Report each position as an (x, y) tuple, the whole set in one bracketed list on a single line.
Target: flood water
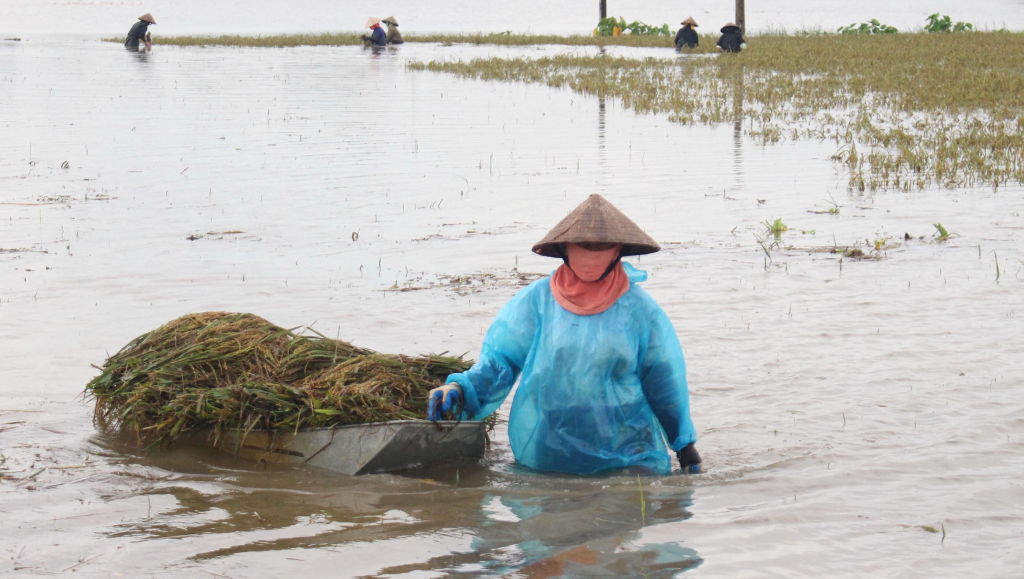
[(177, 17), (856, 417)]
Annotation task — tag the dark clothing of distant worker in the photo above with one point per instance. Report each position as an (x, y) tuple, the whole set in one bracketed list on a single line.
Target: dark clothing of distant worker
[(731, 38), (136, 35), (686, 37), (378, 37)]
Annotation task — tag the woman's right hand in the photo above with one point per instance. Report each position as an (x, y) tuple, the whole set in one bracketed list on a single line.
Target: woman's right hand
[(443, 399)]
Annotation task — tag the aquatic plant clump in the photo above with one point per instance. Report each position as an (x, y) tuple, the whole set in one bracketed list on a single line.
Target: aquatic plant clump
[(223, 370)]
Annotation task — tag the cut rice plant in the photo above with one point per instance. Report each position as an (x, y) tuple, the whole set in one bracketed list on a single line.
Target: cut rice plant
[(220, 370)]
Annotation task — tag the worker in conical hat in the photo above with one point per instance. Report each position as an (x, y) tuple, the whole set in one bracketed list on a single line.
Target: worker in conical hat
[(139, 33), (602, 379), (394, 36), (686, 37), (731, 39), (377, 37)]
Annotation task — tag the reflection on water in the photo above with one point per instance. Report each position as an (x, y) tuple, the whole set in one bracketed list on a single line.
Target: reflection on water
[(206, 507), (737, 125)]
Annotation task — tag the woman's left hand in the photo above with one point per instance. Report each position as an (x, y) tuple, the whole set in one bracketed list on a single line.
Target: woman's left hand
[(689, 459), (443, 399)]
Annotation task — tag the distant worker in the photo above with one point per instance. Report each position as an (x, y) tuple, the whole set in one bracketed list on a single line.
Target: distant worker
[(731, 39), (140, 33), (394, 36), (687, 36), (376, 36)]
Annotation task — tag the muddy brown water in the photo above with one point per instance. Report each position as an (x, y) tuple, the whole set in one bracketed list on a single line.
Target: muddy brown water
[(857, 417)]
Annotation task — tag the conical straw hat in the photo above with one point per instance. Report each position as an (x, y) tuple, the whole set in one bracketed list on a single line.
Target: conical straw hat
[(390, 20), (147, 17), (689, 20), (371, 21), (596, 221)]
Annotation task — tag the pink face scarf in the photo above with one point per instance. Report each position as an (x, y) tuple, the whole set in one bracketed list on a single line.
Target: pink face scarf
[(586, 298)]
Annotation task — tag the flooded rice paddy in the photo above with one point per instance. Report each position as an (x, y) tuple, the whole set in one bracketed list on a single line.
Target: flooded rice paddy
[(177, 17), (858, 417)]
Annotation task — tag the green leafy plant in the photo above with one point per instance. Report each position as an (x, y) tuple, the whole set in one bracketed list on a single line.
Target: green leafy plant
[(941, 233), (872, 26), (776, 228), (607, 26), (942, 23)]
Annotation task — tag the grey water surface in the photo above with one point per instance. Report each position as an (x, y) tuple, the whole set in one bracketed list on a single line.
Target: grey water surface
[(857, 417)]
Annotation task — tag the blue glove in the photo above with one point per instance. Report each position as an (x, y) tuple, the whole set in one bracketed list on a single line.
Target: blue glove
[(689, 459), (439, 404)]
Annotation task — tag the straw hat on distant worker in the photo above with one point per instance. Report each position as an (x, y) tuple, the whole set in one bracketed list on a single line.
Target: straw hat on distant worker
[(687, 37), (394, 36), (139, 33)]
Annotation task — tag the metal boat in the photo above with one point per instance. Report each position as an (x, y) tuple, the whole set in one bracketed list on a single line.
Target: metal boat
[(359, 448)]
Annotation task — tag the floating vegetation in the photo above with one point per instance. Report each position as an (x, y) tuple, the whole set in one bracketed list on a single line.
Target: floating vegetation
[(21, 250), (213, 234), (62, 199), (904, 111), (470, 283), (222, 370)]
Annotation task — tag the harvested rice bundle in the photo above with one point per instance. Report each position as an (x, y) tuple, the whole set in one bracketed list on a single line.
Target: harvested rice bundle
[(310, 354), (378, 387), (224, 370), (193, 352)]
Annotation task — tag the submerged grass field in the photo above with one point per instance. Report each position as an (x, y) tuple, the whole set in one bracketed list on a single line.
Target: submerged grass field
[(905, 111)]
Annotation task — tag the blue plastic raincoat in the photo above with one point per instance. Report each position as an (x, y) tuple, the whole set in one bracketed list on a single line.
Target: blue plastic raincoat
[(596, 392)]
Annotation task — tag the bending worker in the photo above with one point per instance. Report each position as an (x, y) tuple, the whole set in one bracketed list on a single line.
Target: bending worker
[(140, 33), (393, 35), (377, 37), (686, 37), (602, 379), (732, 38)]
